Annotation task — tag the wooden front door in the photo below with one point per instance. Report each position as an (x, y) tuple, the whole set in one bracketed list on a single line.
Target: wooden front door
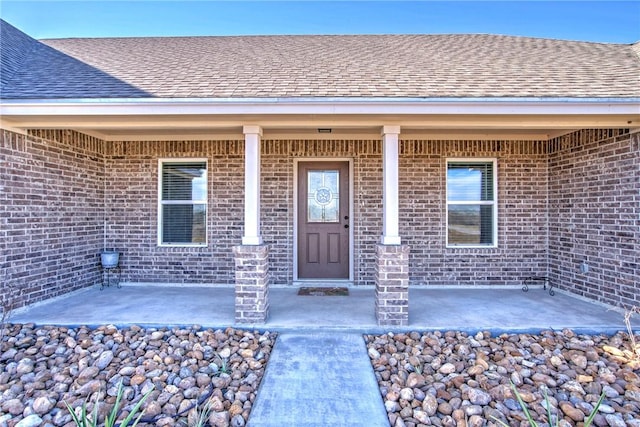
[(323, 220)]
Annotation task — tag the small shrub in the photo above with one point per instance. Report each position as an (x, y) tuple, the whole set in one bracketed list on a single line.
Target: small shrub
[(199, 417), (635, 347), (222, 363), (87, 420), (530, 419)]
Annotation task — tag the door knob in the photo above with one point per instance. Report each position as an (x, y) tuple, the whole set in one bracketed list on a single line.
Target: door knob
[(346, 226), (346, 217)]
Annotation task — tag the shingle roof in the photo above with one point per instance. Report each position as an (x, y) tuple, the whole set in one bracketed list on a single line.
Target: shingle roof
[(413, 66)]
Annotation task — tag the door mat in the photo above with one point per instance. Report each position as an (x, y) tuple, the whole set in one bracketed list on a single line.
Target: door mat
[(323, 291)]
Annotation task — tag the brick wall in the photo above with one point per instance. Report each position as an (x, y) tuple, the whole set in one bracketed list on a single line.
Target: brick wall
[(51, 215), (594, 212), (522, 205), (131, 207)]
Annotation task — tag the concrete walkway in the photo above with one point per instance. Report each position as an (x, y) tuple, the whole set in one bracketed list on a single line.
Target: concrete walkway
[(319, 379)]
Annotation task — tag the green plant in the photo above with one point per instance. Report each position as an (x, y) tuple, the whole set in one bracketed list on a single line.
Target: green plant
[(530, 419), (635, 347), (86, 420), (223, 364), (200, 415), (418, 368)]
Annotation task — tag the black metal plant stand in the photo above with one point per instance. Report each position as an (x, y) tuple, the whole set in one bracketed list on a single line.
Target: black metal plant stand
[(109, 260), (531, 280), (110, 277)]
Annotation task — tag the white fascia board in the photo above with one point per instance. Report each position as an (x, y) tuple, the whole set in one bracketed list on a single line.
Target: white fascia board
[(321, 106)]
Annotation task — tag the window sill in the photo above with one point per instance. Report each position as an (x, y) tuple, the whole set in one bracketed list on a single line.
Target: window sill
[(182, 245), (472, 247)]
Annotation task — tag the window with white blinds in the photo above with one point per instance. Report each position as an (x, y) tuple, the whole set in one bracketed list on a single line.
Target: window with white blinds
[(471, 203), (183, 203)]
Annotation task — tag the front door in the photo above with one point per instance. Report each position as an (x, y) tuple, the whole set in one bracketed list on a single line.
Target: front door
[(323, 220)]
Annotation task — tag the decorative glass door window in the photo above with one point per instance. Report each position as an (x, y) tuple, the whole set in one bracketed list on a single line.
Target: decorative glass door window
[(323, 196)]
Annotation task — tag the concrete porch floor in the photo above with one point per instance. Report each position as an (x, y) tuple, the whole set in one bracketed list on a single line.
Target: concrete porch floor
[(466, 309)]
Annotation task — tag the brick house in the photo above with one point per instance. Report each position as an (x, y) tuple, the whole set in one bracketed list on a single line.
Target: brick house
[(387, 161)]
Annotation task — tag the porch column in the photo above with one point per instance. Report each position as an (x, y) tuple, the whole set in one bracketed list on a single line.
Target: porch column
[(252, 135), (392, 258), (252, 257), (390, 150)]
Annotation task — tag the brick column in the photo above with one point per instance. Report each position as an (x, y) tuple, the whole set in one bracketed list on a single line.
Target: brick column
[(392, 285), (252, 283)]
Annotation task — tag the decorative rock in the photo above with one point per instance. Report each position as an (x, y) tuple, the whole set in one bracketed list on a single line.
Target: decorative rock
[(104, 360), (445, 408), (406, 394), (606, 409), (25, 366), (467, 378), (512, 404), (476, 370), (13, 407), (633, 395), (610, 392), (30, 421), (584, 378), (571, 412), (238, 421), (89, 388), (430, 404), (579, 360), (87, 374), (127, 371), (156, 335), (415, 380), (391, 406), (43, 405), (573, 386), (615, 421), (9, 354), (138, 379), (479, 397), (471, 410)]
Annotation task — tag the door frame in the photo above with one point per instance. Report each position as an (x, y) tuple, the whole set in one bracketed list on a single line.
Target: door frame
[(352, 222)]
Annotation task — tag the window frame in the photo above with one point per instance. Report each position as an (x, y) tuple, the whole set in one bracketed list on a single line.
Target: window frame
[(161, 203), (494, 202)]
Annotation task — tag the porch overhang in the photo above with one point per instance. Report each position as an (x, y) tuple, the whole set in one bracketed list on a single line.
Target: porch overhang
[(430, 118)]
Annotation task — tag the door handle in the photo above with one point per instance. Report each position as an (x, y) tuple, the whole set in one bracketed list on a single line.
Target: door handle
[(346, 226)]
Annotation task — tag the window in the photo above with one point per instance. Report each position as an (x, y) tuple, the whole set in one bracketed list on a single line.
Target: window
[(183, 203), (471, 203)]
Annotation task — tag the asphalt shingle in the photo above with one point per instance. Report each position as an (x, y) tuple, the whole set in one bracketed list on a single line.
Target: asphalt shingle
[(405, 66)]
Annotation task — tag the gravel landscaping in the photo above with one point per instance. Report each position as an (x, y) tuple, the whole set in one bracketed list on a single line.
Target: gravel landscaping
[(41, 368), (454, 379), (425, 378)]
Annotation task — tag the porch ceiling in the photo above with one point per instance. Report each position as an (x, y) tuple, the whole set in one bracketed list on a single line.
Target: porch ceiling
[(530, 119)]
